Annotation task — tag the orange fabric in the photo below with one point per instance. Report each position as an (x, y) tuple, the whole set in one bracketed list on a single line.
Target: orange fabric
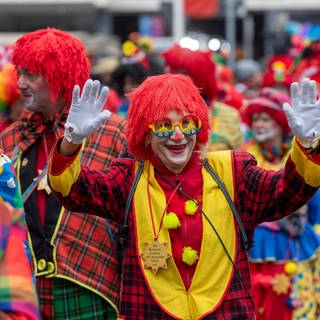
[(201, 9)]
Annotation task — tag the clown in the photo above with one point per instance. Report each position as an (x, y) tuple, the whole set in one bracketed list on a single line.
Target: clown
[(283, 259), (208, 77), (72, 278), (184, 212), (268, 123)]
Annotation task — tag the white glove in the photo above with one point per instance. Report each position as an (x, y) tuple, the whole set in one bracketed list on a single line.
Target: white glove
[(85, 114), (304, 114)]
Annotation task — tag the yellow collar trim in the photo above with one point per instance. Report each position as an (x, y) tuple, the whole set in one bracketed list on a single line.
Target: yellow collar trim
[(214, 270)]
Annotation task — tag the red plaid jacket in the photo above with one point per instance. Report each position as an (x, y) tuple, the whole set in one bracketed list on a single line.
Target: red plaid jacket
[(80, 249), (260, 195)]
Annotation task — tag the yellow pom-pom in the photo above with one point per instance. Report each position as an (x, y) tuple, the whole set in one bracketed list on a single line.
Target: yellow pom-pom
[(191, 207), (290, 268), (171, 221), (129, 48), (189, 256)]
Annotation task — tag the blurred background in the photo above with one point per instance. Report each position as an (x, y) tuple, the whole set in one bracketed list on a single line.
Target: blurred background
[(236, 28)]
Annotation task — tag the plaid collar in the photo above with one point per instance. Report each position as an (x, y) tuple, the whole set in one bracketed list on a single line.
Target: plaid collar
[(32, 125)]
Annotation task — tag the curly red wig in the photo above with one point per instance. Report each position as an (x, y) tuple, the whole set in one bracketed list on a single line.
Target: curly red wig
[(196, 64), (55, 54), (152, 101)]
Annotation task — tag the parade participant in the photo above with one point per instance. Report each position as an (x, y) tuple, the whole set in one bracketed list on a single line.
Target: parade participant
[(184, 252), (11, 105), (124, 79), (284, 257), (225, 120), (18, 299), (272, 138), (75, 261), (248, 77)]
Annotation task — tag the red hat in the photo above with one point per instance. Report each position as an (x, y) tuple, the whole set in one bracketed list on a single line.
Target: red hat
[(153, 99), (278, 71), (196, 64), (309, 65), (270, 101), (56, 55)]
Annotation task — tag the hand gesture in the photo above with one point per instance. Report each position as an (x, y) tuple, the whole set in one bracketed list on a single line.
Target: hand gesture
[(304, 114), (85, 114)]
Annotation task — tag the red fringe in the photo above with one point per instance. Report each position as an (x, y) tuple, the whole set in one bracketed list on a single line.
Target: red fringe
[(153, 99)]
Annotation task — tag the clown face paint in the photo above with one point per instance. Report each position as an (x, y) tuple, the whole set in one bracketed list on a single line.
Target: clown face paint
[(174, 151), (265, 128)]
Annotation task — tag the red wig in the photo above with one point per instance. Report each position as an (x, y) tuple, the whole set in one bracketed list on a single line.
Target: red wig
[(56, 55), (152, 101), (196, 64), (270, 101)]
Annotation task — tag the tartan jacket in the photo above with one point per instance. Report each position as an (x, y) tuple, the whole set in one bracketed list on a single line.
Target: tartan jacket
[(17, 292), (259, 195), (69, 245)]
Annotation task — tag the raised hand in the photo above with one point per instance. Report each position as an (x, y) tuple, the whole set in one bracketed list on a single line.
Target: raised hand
[(85, 115), (304, 113)]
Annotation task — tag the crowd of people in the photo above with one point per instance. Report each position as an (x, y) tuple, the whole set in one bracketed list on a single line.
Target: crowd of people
[(158, 185)]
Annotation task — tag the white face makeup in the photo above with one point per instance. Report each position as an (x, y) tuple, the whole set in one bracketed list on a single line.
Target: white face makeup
[(265, 128), (175, 151)]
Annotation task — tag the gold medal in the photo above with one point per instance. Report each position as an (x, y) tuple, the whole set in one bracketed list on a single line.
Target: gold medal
[(281, 284), (43, 183), (155, 255)]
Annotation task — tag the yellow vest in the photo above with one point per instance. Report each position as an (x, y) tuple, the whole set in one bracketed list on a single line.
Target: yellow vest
[(214, 270)]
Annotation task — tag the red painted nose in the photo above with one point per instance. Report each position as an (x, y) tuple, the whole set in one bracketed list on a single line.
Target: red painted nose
[(177, 134)]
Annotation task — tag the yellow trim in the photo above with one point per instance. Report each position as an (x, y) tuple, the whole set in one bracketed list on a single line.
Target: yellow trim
[(90, 289), (54, 274), (57, 275), (255, 150), (207, 288), (52, 242), (17, 166), (308, 169), (63, 182)]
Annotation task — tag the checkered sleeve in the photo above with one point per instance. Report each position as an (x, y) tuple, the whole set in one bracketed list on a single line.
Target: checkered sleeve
[(265, 195), (101, 192)]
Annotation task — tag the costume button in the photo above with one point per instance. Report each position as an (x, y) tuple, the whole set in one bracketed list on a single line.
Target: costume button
[(260, 310), (24, 162), (42, 264), (50, 267)]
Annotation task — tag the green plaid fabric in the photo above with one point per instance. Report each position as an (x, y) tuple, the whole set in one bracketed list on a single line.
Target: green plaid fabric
[(73, 302)]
